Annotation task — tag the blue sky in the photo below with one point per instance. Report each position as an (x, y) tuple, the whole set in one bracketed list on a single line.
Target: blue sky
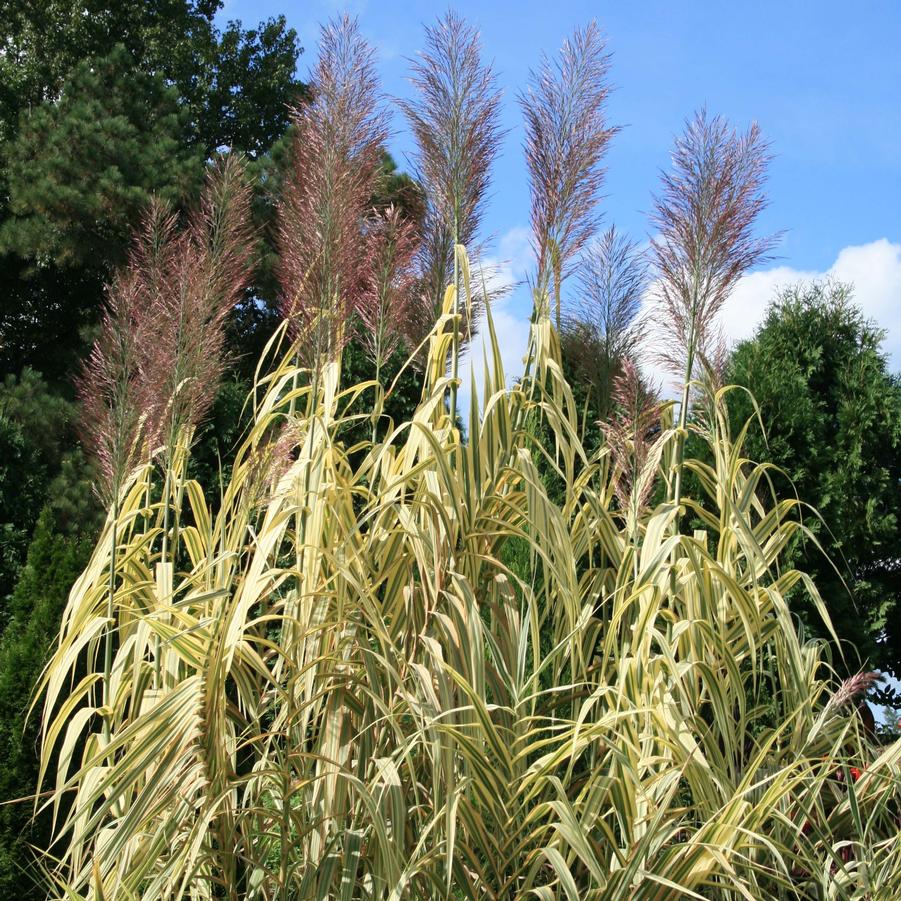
[(823, 79)]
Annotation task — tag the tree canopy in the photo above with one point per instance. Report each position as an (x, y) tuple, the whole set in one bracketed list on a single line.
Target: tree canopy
[(101, 106), (83, 167), (832, 414), (236, 82)]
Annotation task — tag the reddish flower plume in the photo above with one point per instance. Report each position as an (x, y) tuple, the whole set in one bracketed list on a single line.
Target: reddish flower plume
[(630, 433), (156, 365), (193, 281), (566, 138), (454, 120), (705, 216), (390, 289), (338, 141), (854, 687), (114, 394)]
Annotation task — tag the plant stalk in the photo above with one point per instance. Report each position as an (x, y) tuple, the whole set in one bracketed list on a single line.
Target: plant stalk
[(683, 424), (164, 554), (455, 346), (379, 394), (108, 638)]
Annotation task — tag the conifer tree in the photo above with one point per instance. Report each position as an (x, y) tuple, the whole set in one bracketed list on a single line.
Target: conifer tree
[(832, 412)]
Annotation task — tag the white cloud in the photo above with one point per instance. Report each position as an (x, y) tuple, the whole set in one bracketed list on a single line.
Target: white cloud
[(502, 274), (509, 267), (874, 269)]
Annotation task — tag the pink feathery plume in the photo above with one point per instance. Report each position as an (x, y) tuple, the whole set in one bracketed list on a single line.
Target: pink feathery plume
[(567, 136), (156, 365), (630, 433), (390, 289), (704, 217), (193, 281), (455, 121), (338, 141), (115, 424), (601, 329), (854, 687), (270, 460), (713, 362)]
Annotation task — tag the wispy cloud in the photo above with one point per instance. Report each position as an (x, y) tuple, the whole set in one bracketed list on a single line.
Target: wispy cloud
[(874, 269), (508, 269), (504, 273)]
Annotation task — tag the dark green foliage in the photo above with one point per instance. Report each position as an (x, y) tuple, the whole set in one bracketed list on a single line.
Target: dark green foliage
[(251, 86), (102, 104), (356, 367), (218, 436), (46, 316), (54, 562), (589, 369), (398, 188), (832, 414), (236, 83), (81, 170), (46, 502), (590, 374), (37, 463), (402, 400)]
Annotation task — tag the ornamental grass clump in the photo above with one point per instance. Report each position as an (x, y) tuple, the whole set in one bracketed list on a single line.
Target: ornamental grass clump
[(407, 669)]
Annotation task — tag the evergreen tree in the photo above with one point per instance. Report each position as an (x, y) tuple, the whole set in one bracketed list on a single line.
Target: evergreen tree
[(102, 104), (54, 562), (833, 424), (236, 83), (81, 169), (36, 461)]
